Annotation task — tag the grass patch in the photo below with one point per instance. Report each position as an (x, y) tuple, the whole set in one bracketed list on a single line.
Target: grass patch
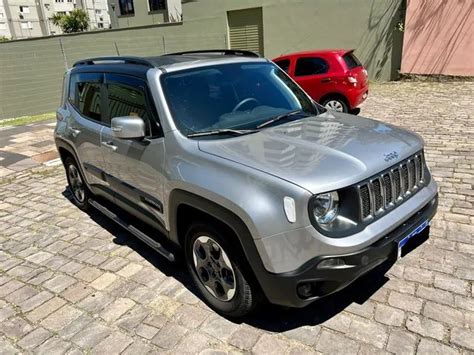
[(24, 120)]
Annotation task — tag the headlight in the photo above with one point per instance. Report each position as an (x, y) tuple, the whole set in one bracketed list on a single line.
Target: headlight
[(325, 207)]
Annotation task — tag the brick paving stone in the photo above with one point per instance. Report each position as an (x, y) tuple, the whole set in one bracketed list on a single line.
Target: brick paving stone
[(15, 327), (405, 302), (88, 274), (103, 281), (436, 295), (53, 346), (6, 311), (245, 337), (146, 331), (452, 284), (368, 331), (61, 318), (267, 343), (77, 292), (137, 347), (45, 309), (21, 295), (169, 336), (389, 315), (444, 314), (426, 327), (116, 309), (463, 337), (35, 301), (129, 270), (95, 302), (131, 319), (430, 347), (59, 283), (190, 316), (113, 344), (401, 342), (10, 287), (466, 303), (333, 343), (75, 326), (35, 338), (219, 327), (92, 335), (194, 343), (305, 334)]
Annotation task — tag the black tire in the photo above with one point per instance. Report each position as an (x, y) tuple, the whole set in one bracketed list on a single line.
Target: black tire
[(72, 169), (245, 296), (333, 102)]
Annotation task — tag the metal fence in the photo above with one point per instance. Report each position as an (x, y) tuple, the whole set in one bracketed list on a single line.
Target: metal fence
[(31, 71)]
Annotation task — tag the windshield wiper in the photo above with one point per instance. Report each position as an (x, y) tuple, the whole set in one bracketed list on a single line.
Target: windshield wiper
[(216, 132), (279, 117)]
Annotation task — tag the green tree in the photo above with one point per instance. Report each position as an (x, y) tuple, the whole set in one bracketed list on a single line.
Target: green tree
[(4, 39), (76, 21)]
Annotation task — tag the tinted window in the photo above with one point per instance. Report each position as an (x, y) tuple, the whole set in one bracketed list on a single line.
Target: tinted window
[(89, 97), (239, 95), (311, 66), (156, 5), (351, 60), (125, 101), (283, 64)]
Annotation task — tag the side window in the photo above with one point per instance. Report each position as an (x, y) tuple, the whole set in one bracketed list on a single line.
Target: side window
[(72, 90), (311, 66), (284, 64), (89, 100), (126, 101), (129, 96)]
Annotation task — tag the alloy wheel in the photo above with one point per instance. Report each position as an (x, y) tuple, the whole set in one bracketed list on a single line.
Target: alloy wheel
[(214, 268), (75, 181)]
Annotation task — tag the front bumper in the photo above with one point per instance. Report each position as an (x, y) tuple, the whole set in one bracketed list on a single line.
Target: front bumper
[(287, 288)]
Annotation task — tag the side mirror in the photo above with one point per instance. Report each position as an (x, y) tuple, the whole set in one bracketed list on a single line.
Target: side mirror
[(128, 127)]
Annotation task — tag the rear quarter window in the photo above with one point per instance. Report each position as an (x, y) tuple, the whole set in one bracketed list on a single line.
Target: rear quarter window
[(351, 60), (283, 64)]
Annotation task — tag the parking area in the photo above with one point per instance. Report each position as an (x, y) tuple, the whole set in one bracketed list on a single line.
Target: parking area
[(72, 282)]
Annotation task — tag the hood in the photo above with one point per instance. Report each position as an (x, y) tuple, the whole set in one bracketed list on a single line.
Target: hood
[(320, 153)]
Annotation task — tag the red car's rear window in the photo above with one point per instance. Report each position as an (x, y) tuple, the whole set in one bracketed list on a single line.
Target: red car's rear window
[(351, 60)]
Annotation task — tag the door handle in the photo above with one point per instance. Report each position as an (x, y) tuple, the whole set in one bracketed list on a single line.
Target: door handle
[(109, 145), (326, 80), (75, 132)]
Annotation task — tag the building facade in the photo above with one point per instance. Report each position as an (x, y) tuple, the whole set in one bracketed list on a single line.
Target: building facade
[(133, 13), (31, 18)]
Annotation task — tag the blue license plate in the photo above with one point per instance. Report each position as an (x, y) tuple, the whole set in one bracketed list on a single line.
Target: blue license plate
[(413, 233)]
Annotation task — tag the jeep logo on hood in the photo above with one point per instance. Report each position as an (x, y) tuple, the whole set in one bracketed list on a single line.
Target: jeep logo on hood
[(390, 156)]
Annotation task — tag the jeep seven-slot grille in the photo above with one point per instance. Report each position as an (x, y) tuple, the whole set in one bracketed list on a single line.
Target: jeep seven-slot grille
[(390, 187)]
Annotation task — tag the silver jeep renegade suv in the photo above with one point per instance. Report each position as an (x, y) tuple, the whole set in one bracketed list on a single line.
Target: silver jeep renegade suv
[(221, 155)]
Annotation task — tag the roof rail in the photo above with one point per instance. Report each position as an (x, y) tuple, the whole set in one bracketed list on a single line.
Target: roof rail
[(127, 60), (237, 52)]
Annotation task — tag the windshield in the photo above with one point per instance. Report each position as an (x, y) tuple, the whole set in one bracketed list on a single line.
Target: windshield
[(233, 96)]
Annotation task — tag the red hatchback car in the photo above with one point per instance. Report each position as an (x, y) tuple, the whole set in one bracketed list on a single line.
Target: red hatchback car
[(334, 78)]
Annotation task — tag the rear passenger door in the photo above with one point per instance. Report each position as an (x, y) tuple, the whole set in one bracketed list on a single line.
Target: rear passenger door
[(312, 74), (86, 120), (134, 167)]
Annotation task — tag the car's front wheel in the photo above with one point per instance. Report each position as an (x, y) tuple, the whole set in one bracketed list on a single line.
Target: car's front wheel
[(218, 272), (80, 192)]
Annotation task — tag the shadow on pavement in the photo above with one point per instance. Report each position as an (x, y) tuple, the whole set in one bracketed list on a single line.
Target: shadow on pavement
[(268, 317)]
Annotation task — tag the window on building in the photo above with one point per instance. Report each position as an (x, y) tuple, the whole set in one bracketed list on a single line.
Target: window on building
[(98, 12), (126, 7), (62, 13), (27, 25), (24, 9), (3, 26), (1, 14), (311, 66), (100, 25), (156, 5), (283, 64), (89, 100)]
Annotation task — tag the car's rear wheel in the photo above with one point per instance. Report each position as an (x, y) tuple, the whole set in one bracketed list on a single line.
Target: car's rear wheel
[(336, 104), (79, 191), (217, 271)]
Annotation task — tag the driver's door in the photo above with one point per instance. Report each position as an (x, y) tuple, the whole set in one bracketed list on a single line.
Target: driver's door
[(134, 167)]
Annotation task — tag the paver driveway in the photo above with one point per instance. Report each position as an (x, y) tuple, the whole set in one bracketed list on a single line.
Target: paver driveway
[(73, 282)]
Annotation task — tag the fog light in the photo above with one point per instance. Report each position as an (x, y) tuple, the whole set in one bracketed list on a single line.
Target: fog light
[(304, 290), (331, 263)]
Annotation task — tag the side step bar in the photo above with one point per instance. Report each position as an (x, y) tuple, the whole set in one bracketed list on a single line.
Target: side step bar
[(136, 232)]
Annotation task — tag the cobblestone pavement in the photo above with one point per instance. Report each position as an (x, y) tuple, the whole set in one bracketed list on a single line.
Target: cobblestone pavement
[(72, 282), (25, 147)]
